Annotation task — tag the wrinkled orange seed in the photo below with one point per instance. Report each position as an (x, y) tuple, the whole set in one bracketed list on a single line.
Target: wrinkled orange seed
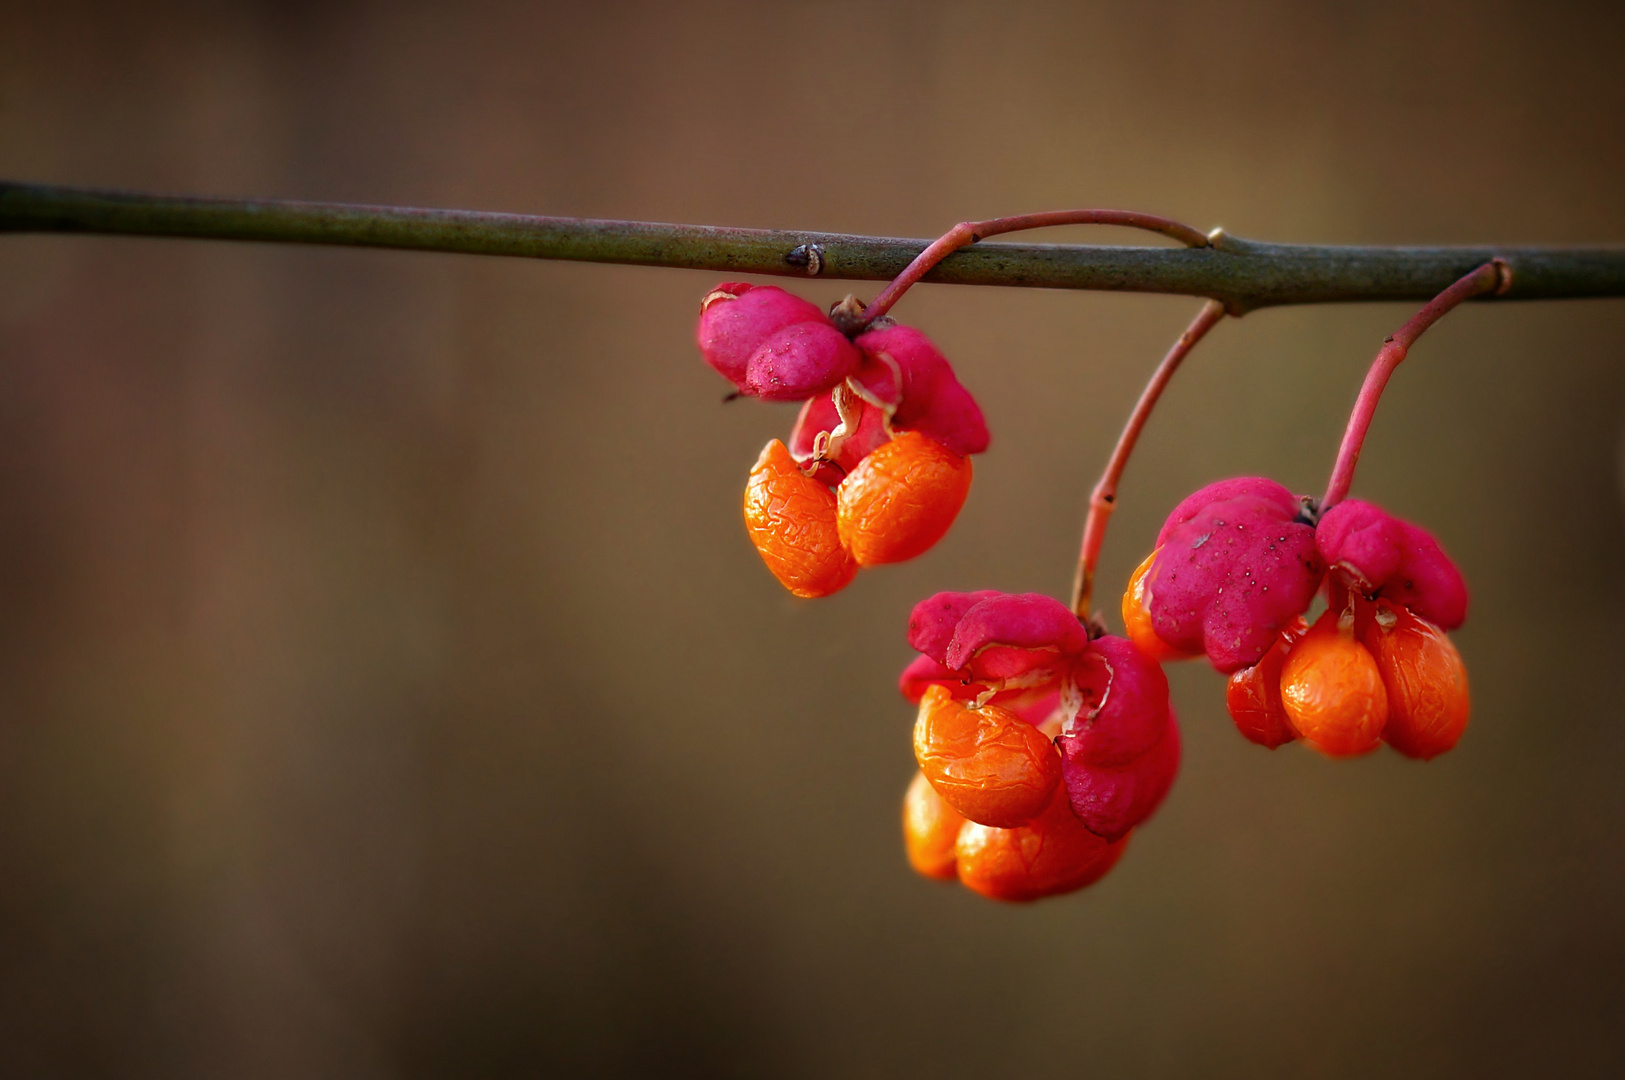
[(1253, 695), (901, 499), (1426, 682), (1053, 854), (791, 520), (930, 830), (1332, 691), (988, 764)]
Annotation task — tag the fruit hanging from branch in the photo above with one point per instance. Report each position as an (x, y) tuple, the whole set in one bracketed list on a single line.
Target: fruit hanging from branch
[(1043, 742)]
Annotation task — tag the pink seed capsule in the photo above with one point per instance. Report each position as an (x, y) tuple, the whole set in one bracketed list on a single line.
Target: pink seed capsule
[(932, 623), (770, 344), (1380, 555), (1016, 636), (815, 428), (1125, 704), (902, 368), (1233, 568), (1112, 799)]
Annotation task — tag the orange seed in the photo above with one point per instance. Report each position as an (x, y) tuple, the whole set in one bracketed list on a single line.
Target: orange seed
[(1332, 691), (791, 520), (1426, 682), (930, 830), (1051, 855), (901, 499), (988, 764)]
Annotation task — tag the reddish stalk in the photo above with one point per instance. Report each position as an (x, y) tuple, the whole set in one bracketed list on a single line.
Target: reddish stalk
[(1104, 498), (1494, 276), (969, 232)]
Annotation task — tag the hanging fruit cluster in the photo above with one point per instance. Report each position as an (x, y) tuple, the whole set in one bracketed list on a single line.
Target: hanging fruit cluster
[(1040, 748), (1236, 567), (878, 462), (1042, 741)]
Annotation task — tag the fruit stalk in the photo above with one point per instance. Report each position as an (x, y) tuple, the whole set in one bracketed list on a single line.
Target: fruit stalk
[(1494, 276), (969, 232), (1104, 498)]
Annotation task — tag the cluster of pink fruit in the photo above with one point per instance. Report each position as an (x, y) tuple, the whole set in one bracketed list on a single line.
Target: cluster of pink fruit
[(879, 459), (1043, 741), (1237, 565), (1039, 747)]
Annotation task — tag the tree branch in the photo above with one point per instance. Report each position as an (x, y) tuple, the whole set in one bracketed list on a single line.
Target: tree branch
[(1241, 274)]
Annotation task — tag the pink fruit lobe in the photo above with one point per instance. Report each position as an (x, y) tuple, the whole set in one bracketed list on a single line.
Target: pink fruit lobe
[(1234, 567), (771, 344), (1380, 555)]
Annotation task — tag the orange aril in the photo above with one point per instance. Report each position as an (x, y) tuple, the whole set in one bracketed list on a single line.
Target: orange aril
[(901, 499), (791, 520), (1253, 695), (1332, 691), (930, 830), (988, 764), (1426, 682), (1053, 854)]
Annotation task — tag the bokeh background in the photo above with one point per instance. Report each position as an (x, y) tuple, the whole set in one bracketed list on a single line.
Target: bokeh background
[(387, 686)]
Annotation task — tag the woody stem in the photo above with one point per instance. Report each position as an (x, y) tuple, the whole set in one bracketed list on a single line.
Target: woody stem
[(1494, 276), (1104, 498), (1246, 274)]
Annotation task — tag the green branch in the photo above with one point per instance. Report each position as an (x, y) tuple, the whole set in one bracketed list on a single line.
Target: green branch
[(1242, 274)]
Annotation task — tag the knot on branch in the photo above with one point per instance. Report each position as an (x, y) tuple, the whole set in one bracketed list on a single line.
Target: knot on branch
[(808, 256)]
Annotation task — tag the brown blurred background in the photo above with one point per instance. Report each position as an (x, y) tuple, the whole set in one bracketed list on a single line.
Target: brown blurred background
[(387, 686)]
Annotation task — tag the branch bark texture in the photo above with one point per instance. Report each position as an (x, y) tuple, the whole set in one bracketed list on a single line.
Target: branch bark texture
[(1241, 274)]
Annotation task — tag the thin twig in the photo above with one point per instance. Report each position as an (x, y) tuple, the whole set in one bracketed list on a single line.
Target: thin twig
[(969, 232), (1104, 498), (1491, 277)]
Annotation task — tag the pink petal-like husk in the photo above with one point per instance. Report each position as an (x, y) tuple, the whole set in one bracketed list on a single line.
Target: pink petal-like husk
[(1125, 707), (731, 331), (1258, 487), (1023, 620), (923, 672), (1002, 663), (1383, 555), (1368, 542), (1111, 800), (932, 623), (1231, 571), (799, 360), (1033, 706), (819, 415), (931, 399), (878, 379), (951, 417), (916, 359), (1429, 582)]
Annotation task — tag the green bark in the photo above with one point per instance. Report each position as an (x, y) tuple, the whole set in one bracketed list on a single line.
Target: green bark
[(1243, 274)]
